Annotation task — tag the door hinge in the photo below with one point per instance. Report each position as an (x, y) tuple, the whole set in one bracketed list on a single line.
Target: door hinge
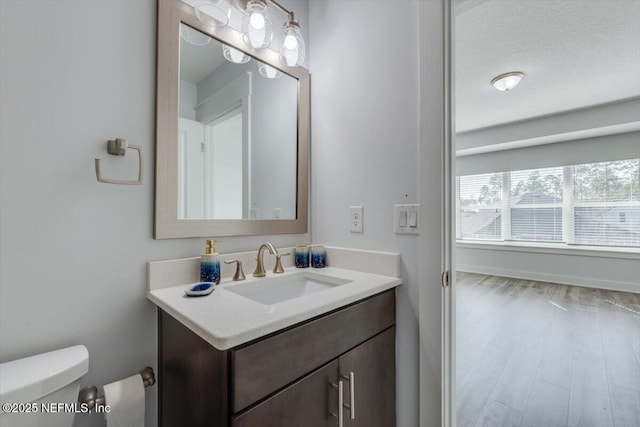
[(445, 279), (202, 147)]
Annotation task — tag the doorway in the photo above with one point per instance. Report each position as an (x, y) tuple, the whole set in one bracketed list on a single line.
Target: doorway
[(546, 212)]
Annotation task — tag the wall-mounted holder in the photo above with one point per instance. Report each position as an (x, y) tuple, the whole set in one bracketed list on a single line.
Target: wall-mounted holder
[(118, 147), (89, 394)]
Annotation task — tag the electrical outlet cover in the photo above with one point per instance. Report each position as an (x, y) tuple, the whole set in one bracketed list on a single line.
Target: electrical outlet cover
[(356, 219)]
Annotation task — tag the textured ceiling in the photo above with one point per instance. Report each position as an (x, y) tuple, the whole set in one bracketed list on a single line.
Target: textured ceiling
[(574, 53)]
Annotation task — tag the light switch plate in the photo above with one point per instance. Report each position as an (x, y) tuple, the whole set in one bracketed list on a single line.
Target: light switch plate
[(356, 218), (406, 219)]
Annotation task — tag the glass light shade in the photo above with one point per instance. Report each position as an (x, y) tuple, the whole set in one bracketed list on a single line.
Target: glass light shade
[(257, 31), (215, 13), (507, 81), (292, 48), (193, 37), (234, 55), (267, 71)]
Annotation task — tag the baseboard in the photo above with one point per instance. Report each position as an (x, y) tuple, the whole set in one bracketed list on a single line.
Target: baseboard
[(552, 278)]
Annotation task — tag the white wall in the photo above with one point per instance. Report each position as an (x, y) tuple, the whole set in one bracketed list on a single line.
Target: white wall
[(364, 102), (73, 251), (615, 271), (188, 93)]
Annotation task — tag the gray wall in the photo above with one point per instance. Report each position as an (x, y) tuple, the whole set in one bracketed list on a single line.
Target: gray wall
[(73, 251), (365, 105), (615, 271), (597, 149)]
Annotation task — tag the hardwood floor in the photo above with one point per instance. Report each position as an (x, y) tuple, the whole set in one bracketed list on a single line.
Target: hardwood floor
[(538, 354)]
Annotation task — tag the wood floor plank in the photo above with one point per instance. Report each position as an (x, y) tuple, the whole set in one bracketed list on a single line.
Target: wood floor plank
[(556, 365), (621, 362), (474, 390), (589, 403), (514, 385), (498, 414), (626, 407), (543, 354), (548, 406)]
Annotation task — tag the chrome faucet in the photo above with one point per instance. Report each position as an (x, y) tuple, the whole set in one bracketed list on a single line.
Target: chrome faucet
[(259, 272)]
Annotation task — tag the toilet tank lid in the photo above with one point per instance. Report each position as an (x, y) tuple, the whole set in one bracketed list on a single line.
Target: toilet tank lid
[(29, 379)]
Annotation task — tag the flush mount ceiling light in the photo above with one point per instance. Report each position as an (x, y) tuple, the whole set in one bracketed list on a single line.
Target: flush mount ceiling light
[(234, 55), (507, 81), (257, 30), (214, 13)]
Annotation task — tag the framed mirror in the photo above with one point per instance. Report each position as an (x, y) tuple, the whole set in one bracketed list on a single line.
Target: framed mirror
[(232, 133)]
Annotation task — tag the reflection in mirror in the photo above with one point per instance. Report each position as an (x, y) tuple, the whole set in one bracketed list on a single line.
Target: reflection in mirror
[(237, 134)]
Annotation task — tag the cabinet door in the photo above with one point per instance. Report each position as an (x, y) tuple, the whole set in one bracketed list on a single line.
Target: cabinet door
[(373, 365), (308, 402)]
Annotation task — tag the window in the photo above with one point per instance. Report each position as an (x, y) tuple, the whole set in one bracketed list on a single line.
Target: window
[(536, 205), (480, 205), (587, 204), (607, 203)]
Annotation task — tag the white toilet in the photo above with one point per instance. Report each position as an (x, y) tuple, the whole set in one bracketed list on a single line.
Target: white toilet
[(40, 381)]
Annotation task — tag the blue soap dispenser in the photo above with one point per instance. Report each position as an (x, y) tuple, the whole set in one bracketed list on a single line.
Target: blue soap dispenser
[(210, 264)]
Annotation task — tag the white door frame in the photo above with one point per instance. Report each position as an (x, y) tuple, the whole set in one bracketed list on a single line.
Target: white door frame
[(436, 159)]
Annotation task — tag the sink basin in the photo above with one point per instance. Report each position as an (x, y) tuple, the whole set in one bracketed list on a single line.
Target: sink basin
[(270, 291)]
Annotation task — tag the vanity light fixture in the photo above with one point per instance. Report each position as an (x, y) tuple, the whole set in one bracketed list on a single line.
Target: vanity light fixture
[(215, 13), (256, 25), (234, 55), (267, 71), (193, 37), (507, 81), (292, 47), (257, 30)]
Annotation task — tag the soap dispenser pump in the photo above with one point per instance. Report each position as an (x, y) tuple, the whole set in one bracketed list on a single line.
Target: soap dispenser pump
[(210, 264)]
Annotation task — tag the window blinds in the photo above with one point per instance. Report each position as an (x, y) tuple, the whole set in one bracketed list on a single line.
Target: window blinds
[(536, 205), (586, 204), (606, 203), (480, 206)]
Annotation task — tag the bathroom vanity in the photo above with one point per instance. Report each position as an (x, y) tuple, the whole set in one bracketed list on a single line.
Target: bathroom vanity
[(326, 358), (293, 377)]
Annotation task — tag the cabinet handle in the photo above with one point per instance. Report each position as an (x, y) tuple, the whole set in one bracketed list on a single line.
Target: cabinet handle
[(352, 394), (340, 413)]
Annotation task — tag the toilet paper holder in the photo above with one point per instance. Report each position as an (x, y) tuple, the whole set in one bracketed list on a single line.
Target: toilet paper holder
[(89, 394)]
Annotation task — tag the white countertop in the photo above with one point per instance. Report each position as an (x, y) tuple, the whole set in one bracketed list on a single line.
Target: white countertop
[(226, 320)]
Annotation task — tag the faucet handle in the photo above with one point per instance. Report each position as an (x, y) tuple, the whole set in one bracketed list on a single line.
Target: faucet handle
[(239, 274), (278, 267)]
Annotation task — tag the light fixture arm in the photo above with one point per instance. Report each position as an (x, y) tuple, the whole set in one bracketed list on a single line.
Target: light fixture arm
[(282, 9)]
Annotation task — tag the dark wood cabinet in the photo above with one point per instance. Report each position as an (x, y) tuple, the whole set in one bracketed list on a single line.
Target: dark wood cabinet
[(309, 402), (290, 378), (372, 365)]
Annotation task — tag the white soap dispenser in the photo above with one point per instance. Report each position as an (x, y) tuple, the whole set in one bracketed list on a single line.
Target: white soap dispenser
[(210, 264)]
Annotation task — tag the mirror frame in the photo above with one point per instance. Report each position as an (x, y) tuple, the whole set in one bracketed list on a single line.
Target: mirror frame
[(167, 225)]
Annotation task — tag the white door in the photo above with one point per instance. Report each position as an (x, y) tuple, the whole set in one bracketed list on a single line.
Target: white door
[(190, 169)]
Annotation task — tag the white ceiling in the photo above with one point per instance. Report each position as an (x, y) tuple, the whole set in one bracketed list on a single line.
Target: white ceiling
[(574, 53)]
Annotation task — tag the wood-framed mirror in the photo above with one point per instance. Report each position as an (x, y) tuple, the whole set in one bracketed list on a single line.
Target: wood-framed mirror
[(232, 133)]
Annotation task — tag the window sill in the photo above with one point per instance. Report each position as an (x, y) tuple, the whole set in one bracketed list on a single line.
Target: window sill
[(552, 248)]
